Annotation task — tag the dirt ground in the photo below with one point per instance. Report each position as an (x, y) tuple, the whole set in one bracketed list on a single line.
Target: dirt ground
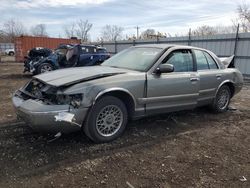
[(185, 149)]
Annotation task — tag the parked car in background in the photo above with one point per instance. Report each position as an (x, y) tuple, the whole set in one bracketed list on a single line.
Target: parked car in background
[(137, 82), (66, 56), (10, 51)]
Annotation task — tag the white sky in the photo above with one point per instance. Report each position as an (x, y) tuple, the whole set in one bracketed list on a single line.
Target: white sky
[(162, 15)]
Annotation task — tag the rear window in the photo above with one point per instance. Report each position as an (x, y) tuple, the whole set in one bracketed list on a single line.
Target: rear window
[(101, 50), (86, 49), (201, 60), (212, 64)]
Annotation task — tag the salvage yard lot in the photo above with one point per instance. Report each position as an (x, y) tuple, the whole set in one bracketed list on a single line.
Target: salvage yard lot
[(185, 149)]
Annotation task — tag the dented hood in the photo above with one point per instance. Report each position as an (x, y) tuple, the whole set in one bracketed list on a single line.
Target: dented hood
[(70, 76)]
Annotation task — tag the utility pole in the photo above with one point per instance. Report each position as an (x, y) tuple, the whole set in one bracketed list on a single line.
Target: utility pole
[(137, 31), (189, 37)]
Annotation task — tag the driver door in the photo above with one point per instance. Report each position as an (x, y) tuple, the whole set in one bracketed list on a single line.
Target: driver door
[(173, 91)]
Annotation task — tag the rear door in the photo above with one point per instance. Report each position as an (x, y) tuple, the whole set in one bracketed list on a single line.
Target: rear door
[(177, 90), (88, 56), (210, 76)]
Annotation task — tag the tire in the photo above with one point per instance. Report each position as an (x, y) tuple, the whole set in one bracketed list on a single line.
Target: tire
[(222, 100), (45, 67), (100, 126), (11, 53)]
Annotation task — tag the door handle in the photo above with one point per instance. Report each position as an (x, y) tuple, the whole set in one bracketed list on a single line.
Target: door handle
[(194, 79)]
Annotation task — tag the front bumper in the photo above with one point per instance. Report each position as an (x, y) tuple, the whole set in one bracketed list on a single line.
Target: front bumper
[(41, 117), (28, 66)]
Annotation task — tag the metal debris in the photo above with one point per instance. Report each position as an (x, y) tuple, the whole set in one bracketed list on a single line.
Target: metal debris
[(243, 179), (58, 135), (232, 108), (129, 185)]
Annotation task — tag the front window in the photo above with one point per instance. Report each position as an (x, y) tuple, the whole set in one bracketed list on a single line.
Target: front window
[(140, 59), (182, 60)]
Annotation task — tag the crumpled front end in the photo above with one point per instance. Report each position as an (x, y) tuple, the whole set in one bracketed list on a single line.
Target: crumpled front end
[(39, 104), (28, 66)]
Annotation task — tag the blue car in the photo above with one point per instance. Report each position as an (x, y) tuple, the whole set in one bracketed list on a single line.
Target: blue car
[(66, 56)]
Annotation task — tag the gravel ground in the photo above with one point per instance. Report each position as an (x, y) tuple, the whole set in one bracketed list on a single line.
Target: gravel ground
[(185, 149)]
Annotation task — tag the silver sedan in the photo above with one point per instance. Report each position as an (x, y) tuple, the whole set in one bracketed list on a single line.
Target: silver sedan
[(137, 82)]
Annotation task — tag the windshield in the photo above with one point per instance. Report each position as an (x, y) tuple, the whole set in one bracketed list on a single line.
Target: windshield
[(139, 59)]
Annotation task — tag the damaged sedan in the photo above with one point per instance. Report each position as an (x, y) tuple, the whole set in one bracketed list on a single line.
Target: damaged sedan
[(137, 82)]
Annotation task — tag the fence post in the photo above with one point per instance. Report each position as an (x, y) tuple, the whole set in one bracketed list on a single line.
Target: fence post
[(134, 42), (115, 46), (236, 39), (189, 37)]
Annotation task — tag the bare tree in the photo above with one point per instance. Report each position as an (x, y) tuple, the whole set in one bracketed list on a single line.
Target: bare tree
[(243, 11), (130, 37), (13, 28), (78, 29), (39, 30), (111, 33), (82, 29), (220, 29), (148, 34), (204, 31), (69, 30)]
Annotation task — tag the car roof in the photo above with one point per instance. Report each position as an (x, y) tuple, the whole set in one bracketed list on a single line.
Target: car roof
[(87, 45), (166, 46), (176, 46)]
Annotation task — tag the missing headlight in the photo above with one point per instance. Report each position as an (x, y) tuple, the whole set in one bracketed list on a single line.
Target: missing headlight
[(73, 100), (76, 100)]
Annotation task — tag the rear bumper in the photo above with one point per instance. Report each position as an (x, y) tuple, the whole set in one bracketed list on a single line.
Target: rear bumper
[(41, 117)]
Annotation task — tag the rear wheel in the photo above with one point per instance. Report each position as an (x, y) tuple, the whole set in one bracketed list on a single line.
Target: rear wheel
[(106, 120), (222, 99), (45, 67), (11, 53)]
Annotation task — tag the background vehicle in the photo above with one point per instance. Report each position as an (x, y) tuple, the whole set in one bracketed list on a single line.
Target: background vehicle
[(10, 52), (137, 82), (34, 55), (66, 56)]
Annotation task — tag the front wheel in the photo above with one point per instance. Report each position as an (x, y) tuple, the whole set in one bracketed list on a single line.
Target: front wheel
[(45, 67), (106, 120), (222, 99)]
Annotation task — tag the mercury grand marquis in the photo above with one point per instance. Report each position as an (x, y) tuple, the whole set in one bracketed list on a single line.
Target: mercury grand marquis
[(137, 82)]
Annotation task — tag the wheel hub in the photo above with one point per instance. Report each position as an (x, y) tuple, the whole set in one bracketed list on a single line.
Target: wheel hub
[(109, 120)]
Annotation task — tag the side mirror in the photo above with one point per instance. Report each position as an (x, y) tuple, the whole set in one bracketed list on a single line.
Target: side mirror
[(164, 68)]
